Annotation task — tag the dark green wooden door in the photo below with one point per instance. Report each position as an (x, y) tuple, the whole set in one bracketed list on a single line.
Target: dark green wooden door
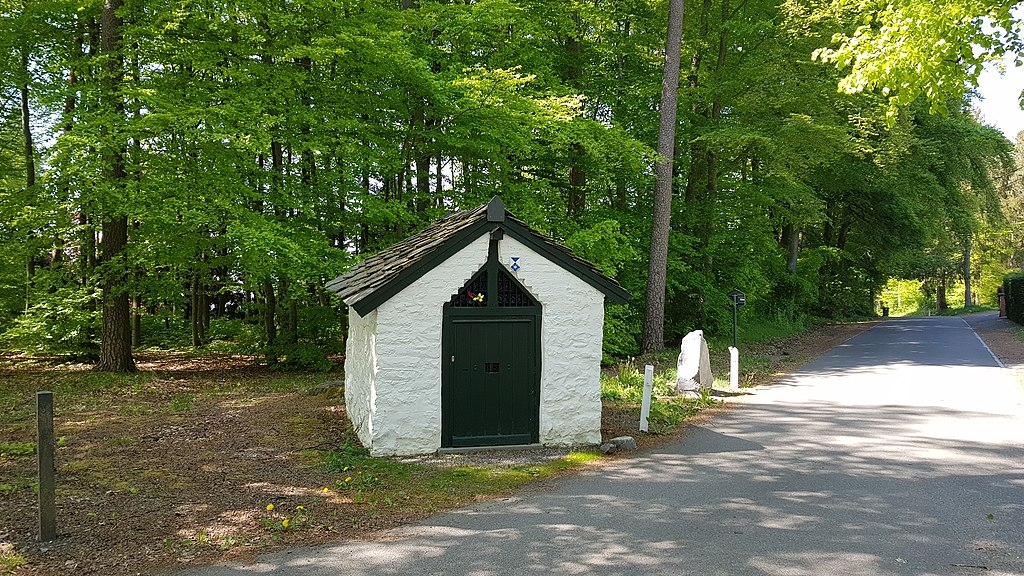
[(491, 386)]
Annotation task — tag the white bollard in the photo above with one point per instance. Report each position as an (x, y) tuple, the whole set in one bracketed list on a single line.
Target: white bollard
[(734, 368), (645, 404)]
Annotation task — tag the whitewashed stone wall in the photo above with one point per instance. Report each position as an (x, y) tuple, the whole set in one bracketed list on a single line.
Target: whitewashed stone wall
[(571, 335), (361, 372), (393, 355), (407, 401)]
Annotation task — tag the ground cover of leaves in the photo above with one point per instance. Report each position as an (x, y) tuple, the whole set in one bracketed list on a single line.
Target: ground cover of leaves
[(177, 466)]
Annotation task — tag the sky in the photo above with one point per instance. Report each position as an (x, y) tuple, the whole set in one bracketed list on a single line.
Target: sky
[(999, 103)]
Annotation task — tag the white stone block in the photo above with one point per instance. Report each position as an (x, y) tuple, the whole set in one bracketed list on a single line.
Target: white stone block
[(693, 368)]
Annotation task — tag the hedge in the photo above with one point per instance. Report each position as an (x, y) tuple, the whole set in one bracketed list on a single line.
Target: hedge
[(1013, 290)]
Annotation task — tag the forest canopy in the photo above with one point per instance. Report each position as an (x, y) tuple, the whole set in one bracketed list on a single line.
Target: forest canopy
[(192, 173)]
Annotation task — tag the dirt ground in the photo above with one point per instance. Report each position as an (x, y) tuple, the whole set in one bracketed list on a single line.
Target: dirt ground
[(169, 474), (1001, 337)]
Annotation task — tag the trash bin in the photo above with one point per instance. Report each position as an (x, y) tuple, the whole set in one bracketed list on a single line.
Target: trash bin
[(885, 311), (1002, 302)]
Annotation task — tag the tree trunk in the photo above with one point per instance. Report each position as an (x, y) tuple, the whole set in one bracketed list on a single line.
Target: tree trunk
[(967, 272), (116, 334), (30, 175), (940, 293), (293, 321), (195, 317), (137, 321), (792, 237), (654, 318), (26, 127), (577, 197), (270, 312)]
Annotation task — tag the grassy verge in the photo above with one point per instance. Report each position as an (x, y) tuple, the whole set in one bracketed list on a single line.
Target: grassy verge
[(768, 349), (624, 385), (384, 482)]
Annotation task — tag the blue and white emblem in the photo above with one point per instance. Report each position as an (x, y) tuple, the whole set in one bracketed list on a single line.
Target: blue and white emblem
[(515, 264)]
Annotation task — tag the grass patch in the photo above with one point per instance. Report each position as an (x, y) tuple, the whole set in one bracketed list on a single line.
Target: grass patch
[(965, 310), (667, 414), (626, 382), (756, 330), (386, 482), (10, 559), (17, 449), (181, 403), (17, 485), (625, 385)]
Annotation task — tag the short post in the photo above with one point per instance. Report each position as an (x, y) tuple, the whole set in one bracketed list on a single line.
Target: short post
[(47, 470), (734, 368), (645, 404)]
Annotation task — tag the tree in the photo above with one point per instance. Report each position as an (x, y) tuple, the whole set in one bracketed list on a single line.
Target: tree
[(654, 320), (908, 48), (116, 340)]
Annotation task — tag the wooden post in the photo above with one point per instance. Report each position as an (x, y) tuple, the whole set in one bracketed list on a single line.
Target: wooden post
[(47, 470)]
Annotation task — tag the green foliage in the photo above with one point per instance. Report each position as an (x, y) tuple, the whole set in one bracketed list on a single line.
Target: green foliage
[(903, 297), (626, 383), (15, 449), (324, 327), (299, 357), (622, 324), (789, 296), (907, 49), (668, 413), (64, 322), (249, 183)]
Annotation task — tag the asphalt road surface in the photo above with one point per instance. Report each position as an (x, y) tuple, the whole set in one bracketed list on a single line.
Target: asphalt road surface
[(899, 452)]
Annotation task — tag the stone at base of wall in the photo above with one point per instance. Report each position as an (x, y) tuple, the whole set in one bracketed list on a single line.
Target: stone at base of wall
[(620, 444)]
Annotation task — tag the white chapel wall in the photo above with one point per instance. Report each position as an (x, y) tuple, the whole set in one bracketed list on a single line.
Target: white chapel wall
[(360, 372), (571, 335), (407, 416)]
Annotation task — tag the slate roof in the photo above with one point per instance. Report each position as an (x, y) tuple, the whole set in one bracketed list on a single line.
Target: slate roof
[(373, 281)]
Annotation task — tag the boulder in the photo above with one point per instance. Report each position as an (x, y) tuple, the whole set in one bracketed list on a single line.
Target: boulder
[(694, 365), (624, 443)]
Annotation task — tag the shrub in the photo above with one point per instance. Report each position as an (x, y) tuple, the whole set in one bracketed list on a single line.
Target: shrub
[(1013, 289), (297, 357), (63, 322), (324, 327)]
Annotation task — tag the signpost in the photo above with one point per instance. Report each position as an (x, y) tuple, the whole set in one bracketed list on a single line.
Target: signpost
[(738, 300)]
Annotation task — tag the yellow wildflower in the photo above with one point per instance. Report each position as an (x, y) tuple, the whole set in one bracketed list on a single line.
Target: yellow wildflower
[(300, 508), (270, 507), (284, 523), (326, 490)]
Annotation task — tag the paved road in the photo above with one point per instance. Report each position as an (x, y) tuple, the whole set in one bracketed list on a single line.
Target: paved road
[(900, 452)]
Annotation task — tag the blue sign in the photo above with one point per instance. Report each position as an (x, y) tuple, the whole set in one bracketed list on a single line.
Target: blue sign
[(515, 264)]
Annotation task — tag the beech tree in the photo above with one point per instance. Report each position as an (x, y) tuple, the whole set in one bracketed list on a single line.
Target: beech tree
[(907, 49)]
